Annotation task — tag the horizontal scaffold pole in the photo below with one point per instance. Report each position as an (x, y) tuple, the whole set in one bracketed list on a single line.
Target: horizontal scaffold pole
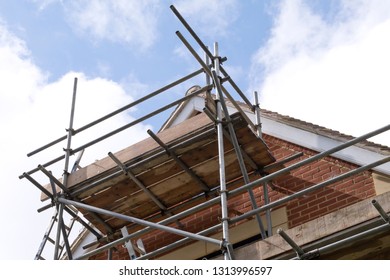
[(311, 159), (124, 127), (140, 221), (138, 233), (308, 190), (124, 108), (348, 240)]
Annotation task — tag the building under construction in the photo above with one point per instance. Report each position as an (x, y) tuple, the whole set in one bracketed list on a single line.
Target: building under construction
[(221, 179)]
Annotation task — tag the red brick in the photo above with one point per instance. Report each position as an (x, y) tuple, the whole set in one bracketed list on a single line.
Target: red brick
[(325, 191), (337, 205), (309, 210), (342, 196), (302, 170), (327, 202), (318, 213), (317, 201), (299, 208)]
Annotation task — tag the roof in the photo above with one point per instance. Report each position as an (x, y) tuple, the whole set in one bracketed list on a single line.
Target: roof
[(305, 134), (320, 130)]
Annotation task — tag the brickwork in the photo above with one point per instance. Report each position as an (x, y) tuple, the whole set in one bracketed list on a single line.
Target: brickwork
[(323, 201), (309, 207)]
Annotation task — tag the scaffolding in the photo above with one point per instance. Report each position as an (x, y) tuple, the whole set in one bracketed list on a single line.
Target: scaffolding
[(218, 130)]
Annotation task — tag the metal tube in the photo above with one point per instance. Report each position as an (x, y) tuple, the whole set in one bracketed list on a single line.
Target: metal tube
[(140, 119), (51, 177), (64, 185), (207, 60), (100, 220), (81, 221), (32, 171), (194, 53), (238, 107), (140, 221), (130, 174), (124, 108), (246, 157), (122, 128), (221, 156), (47, 206), (39, 186), (177, 243), (53, 188), (172, 154), (208, 53), (209, 72), (291, 242), (257, 113), (237, 149), (236, 88), (192, 32), (46, 236), (268, 211), (356, 237), (381, 211), (117, 173), (77, 162), (66, 242), (146, 230), (60, 207), (281, 162), (311, 159), (69, 137), (302, 192)]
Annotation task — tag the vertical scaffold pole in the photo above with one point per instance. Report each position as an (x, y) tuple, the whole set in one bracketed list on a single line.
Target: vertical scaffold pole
[(207, 61), (257, 114), (221, 155), (65, 180), (268, 211), (260, 135), (70, 133)]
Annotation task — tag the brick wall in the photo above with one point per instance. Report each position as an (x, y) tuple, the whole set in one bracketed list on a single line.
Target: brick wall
[(311, 206), (323, 201)]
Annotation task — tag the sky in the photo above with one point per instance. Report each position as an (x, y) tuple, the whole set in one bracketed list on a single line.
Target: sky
[(325, 62)]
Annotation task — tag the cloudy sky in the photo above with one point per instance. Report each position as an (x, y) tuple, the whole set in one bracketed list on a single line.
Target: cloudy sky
[(326, 62)]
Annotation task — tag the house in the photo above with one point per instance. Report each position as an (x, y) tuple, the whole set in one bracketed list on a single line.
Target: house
[(161, 198)]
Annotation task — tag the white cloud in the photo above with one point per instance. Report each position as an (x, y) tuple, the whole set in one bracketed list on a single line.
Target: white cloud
[(34, 112), (133, 23), (332, 73), (210, 18)]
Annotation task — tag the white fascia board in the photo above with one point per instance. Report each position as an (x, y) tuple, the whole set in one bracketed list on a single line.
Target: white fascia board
[(319, 143), (194, 104)]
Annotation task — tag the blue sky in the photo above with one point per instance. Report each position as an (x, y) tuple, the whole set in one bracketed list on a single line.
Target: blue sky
[(325, 62)]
